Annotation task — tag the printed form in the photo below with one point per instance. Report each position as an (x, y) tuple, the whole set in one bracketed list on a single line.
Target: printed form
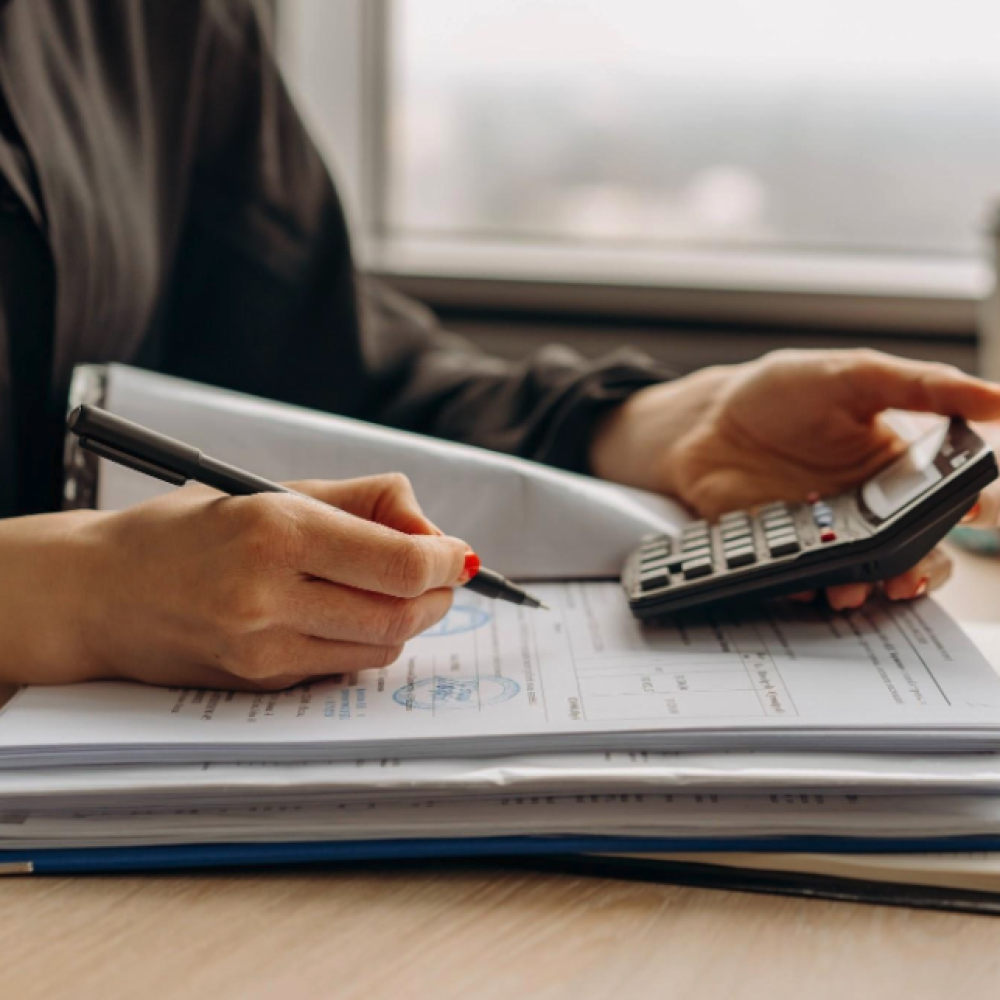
[(494, 678)]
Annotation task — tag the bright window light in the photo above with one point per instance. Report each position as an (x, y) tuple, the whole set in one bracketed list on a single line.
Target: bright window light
[(868, 126)]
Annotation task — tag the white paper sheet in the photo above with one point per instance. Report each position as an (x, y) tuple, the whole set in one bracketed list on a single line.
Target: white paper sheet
[(524, 519), (711, 816), (493, 679), (123, 787), (242, 785), (139, 786)]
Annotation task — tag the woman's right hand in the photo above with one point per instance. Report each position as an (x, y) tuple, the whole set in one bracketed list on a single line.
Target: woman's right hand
[(199, 589)]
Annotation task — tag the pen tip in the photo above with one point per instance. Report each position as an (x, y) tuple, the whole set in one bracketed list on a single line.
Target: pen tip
[(530, 601)]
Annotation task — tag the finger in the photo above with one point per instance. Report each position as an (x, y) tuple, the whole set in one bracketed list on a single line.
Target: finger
[(847, 596), (326, 542), (387, 499), (198, 676), (880, 382), (931, 572), (805, 597), (280, 653), (985, 513), (330, 611)]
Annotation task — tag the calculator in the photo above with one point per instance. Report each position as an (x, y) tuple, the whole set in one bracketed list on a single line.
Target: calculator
[(880, 529)]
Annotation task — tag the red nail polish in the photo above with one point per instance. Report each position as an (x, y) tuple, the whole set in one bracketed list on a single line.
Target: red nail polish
[(472, 566), (972, 513)]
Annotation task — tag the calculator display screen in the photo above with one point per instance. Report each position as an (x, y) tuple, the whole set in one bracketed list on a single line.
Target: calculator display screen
[(927, 462)]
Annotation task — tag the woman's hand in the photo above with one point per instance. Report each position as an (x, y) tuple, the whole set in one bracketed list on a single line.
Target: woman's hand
[(780, 428), (197, 589)]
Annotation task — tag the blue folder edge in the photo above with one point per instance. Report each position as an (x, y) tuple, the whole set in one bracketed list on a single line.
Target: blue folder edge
[(207, 856)]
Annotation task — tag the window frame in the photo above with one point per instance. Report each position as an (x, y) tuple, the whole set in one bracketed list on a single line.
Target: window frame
[(343, 48)]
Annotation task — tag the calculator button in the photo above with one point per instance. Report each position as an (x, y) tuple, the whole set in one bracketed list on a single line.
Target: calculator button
[(655, 555), (740, 557), (736, 531), (696, 538), (696, 545), (783, 545), (769, 520), (695, 568), (737, 543), (654, 581), (734, 518), (693, 555), (823, 515), (773, 530), (659, 566), (777, 506)]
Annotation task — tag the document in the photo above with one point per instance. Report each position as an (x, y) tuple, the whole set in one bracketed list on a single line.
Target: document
[(493, 679), (117, 787), (523, 518), (712, 818)]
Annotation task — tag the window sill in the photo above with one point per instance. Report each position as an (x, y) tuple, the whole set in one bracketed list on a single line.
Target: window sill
[(923, 295)]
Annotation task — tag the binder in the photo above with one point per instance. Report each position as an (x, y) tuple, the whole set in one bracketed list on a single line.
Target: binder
[(575, 856)]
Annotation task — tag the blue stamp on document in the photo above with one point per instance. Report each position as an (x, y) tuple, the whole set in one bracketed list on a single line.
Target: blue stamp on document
[(461, 618), (447, 693)]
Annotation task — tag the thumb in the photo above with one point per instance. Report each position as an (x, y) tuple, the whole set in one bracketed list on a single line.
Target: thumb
[(881, 382), (386, 499)]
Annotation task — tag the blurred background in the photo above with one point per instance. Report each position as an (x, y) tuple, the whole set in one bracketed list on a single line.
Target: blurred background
[(708, 180)]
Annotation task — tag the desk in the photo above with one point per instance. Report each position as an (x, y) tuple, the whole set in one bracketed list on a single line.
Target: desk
[(483, 934)]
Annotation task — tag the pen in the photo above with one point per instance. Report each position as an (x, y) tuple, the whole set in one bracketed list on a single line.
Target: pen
[(138, 448)]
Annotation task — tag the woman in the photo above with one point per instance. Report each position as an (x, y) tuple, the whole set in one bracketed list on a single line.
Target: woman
[(163, 205)]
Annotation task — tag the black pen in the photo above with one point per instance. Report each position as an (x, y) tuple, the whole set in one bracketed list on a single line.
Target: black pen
[(121, 441)]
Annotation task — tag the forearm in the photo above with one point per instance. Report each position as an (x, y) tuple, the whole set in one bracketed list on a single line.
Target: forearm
[(545, 406), (45, 588)]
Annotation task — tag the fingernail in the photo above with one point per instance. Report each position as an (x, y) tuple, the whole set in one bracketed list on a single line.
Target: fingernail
[(472, 566), (852, 596), (922, 587), (972, 513)]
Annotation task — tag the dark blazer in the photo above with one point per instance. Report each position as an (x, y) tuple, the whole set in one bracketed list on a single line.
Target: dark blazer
[(193, 228)]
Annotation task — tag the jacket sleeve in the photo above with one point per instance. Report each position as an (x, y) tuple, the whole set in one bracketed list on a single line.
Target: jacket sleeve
[(265, 297)]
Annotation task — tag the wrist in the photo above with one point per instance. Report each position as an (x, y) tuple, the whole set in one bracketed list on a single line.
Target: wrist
[(641, 442), (49, 592)]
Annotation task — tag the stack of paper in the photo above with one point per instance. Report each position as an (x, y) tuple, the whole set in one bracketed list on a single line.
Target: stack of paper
[(503, 731), (385, 756), (495, 679)]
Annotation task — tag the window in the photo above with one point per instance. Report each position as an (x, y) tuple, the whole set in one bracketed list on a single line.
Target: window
[(857, 137)]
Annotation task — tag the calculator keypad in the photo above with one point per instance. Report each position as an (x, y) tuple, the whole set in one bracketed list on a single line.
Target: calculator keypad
[(738, 541)]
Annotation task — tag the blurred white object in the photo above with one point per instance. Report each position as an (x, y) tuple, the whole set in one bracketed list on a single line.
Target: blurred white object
[(525, 519)]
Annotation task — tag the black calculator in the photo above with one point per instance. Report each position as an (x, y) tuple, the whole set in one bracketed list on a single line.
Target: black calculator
[(877, 531)]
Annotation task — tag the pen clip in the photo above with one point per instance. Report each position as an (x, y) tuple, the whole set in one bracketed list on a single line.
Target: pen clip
[(120, 457)]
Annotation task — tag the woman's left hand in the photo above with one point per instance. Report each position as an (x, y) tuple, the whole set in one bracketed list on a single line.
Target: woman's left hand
[(779, 428)]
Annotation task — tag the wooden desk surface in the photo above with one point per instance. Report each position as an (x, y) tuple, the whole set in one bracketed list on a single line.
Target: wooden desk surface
[(482, 933)]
